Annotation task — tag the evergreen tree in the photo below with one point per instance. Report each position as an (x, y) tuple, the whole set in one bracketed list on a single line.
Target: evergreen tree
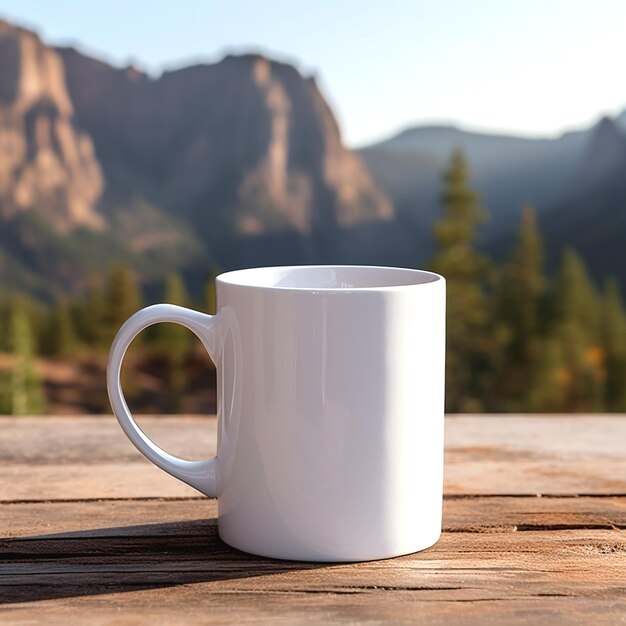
[(465, 272), (614, 344), (526, 280), (59, 337), (5, 317), (174, 291), (122, 298), (519, 302), (21, 392), (173, 343), (91, 315), (577, 297), (577, 331), (173, 340)]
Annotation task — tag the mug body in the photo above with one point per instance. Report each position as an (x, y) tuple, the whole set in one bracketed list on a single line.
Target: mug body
[(331, 411)]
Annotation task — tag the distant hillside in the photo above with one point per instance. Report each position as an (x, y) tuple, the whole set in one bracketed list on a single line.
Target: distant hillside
[(591, 216), (241, 163), (236, 163), (577, 182)]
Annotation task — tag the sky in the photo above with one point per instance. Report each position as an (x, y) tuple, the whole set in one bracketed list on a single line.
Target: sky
[(531, 67)]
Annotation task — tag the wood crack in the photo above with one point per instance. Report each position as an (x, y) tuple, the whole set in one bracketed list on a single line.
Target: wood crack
[(91, 500), (450, 497), (557, 527)]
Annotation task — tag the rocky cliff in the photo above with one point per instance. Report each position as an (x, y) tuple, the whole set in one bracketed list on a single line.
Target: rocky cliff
[(247, 143), (200, 158), (47, 165)]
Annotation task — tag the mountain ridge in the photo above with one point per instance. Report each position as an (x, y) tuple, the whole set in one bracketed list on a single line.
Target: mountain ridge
[(241, 162), (191, 167), (567, 179)]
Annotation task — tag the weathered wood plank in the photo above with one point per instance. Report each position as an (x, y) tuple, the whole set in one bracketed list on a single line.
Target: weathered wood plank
[(188, 517), (508, 559), (532, 568), (540, 454), (90, 439), (461, 573), (89, 457), (195, 604), (506, 514), (109, 547), (136, 479)]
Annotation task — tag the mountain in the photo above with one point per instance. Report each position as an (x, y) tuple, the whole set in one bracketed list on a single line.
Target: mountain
[(235, 163), (604, 159), (577, 183), (247, 137), (47, 163), (508, 172), (591, 216), (241, 163)]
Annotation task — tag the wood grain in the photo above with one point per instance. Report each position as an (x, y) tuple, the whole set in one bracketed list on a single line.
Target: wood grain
[(92, 534), (110, 548), (461, 514), (89, 457)]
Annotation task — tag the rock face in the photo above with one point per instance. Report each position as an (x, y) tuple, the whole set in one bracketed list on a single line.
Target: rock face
[(247, 144), (241, 157), (47, 164)]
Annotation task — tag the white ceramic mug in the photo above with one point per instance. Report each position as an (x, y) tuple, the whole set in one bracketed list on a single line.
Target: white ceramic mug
[(330, 409)]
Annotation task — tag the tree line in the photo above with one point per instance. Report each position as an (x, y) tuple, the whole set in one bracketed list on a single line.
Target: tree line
[(518, 339), (86, 325)]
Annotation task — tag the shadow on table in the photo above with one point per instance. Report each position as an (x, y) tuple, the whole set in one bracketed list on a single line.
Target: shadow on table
[(128, 558)]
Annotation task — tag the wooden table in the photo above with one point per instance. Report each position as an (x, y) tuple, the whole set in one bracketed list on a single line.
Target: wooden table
[(534, 519)]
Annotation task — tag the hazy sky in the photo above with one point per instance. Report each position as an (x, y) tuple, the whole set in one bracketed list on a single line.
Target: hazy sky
[(524, 66)]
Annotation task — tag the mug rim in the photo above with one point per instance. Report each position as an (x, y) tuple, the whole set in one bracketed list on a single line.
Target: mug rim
[(240, 278)]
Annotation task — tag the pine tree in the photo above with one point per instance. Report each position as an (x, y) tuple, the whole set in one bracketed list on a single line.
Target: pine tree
[(174, 291), (91, 315), (122, 298), (577, 297), (5, 316), (580, 374), (59, 337), (173, 340), (21, 392), (465, 272), (614, 343), (173, 343), (519, 301)]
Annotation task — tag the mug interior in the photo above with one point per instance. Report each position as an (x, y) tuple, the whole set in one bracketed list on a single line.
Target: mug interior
[(330, 277)]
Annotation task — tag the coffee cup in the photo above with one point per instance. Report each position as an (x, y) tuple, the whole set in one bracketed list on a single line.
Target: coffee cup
[(330, 409)]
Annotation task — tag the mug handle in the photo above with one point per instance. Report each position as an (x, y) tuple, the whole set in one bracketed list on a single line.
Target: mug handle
[(202, 475)]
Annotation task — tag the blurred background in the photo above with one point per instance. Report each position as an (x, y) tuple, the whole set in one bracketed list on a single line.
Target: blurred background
[(145, 147)]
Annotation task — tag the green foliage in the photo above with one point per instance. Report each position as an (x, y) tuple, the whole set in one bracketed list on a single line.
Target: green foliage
[(173, 340), (516, 341), (614, 346), (519, 303), (577, 331), (90, 315), (172, 344), (576, 297), (59, 334), (122, 298), (466, 274), (20, 386)]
